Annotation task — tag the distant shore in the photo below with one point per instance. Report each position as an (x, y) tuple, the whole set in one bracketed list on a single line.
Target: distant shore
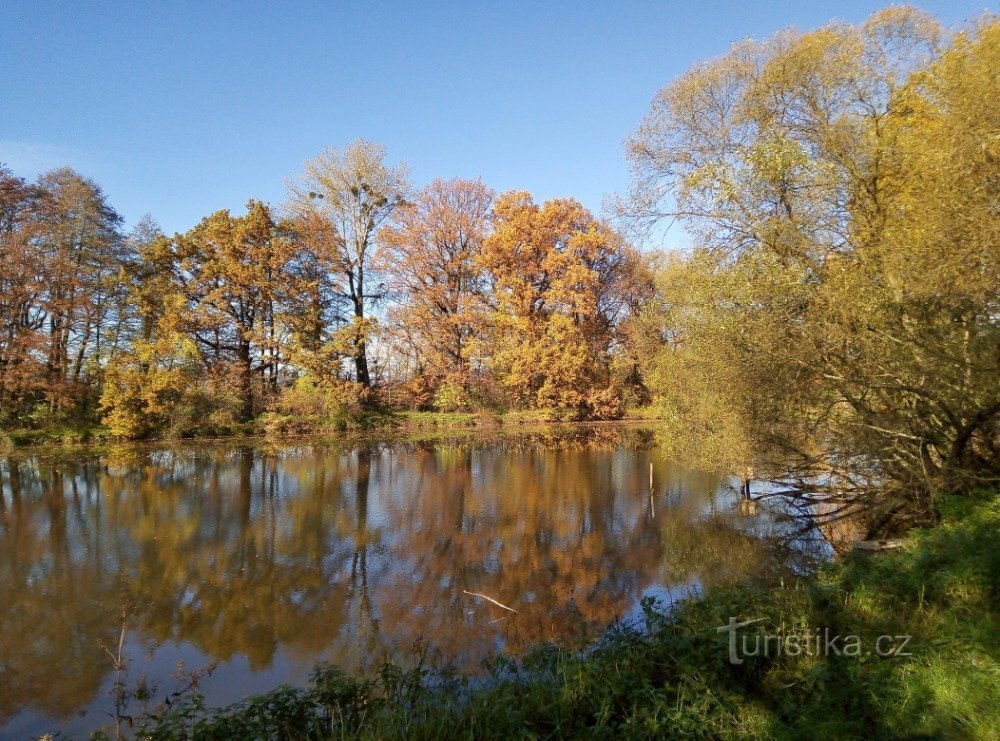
[(394, 423)]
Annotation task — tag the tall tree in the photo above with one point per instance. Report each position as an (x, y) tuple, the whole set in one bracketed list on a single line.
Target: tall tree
[(22, 288), (80, 246), (429, 253), (560, 283), (229, 269), (837, 183), (342, 199)]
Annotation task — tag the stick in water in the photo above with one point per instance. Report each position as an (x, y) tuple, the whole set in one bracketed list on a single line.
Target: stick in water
[(489, 599)]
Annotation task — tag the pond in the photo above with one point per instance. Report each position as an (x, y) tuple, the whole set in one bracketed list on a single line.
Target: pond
[(261, 559)]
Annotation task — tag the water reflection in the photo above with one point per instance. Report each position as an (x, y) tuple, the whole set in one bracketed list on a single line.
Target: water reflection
[(269, 559)]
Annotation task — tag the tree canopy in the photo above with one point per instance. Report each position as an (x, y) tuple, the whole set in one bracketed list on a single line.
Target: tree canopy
[(836, 317)]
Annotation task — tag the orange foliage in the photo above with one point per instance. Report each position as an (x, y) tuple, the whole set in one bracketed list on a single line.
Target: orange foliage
[(430, 253), (562, 281)]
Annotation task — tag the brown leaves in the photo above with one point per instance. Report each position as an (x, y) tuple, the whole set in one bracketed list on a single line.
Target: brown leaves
[(559, 279), (430, 253)]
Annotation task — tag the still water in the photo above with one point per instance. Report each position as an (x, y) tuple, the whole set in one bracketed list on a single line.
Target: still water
[(265, 559)]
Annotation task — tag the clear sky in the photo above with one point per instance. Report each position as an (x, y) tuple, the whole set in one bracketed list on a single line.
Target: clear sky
[(181, 108)]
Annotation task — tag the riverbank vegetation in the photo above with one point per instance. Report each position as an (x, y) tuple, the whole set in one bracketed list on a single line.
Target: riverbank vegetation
[(832, 327), (836, 321), (360, 296)]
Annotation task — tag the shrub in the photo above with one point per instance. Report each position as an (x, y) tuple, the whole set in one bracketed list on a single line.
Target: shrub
[(310, 404)]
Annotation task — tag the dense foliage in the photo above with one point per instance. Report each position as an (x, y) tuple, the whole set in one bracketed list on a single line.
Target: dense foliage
[(837, 319), (360, 293)]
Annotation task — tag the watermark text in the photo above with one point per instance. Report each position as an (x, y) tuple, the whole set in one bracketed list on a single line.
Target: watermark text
[(807, 642)]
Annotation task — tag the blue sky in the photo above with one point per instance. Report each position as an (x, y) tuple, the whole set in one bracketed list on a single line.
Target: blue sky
[(179, 109)]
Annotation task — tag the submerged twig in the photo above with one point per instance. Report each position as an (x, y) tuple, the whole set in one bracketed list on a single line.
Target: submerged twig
[(489, 599)]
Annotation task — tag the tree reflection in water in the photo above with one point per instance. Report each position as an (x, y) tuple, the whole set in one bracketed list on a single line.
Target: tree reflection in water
[(343, 552)]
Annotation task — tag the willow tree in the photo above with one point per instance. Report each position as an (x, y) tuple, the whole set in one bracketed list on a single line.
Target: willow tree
[(340, 202), (837, 188)]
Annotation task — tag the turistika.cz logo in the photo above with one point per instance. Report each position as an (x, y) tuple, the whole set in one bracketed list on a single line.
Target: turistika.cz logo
[(810, 642)]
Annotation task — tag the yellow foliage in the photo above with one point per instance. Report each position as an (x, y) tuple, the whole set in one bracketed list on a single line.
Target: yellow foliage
[(314, 403), (838, 319), (143, 387), (560, 281)]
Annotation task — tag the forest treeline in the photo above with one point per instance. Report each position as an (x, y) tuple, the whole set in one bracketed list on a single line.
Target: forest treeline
[(834, 324), (360, 292)]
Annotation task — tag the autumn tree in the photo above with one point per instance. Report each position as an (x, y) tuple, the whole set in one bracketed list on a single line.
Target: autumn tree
[(80, 243), (228, 270), (158, 361), (339, 204), (206, 307), (429, 253), (61, 248), (149, 273), (560, 282), (835, 184), (22, 288)]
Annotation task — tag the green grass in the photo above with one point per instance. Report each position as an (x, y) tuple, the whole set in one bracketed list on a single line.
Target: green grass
[(541, 416), (408, 420), (675, 679), (274, 425), (439, 420), (52, 435), (458, 420)]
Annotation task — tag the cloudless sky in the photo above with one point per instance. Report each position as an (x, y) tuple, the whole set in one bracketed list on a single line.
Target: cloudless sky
[(178, 109)]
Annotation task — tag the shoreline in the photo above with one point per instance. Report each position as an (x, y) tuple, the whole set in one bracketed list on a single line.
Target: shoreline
[(396, 427)]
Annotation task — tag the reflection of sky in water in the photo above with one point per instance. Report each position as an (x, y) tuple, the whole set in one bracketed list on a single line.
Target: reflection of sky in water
[(272, 559)]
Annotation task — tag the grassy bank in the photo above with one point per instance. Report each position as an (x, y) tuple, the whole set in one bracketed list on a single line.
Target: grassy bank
[(941, 589), (459, 420), (24, 437), (369, 421)]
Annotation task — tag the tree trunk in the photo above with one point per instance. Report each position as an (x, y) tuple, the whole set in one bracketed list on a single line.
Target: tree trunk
[(360, 349), (361, 364), (246, 383)]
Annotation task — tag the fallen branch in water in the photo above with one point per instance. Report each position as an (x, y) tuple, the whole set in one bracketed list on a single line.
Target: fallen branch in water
[(489, 599)]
